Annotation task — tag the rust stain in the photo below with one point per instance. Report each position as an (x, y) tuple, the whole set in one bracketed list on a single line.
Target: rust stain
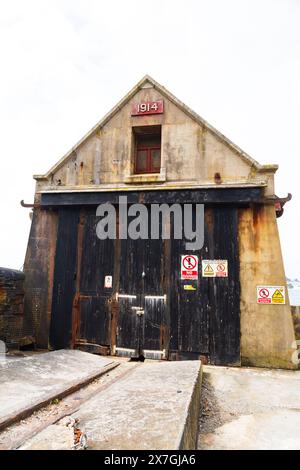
[(164, 333), (218, 178), (203, 359), (113, 308), (75, 319), (141, 197), (76, 302), (256, 216), (3, 296), (209, 220)]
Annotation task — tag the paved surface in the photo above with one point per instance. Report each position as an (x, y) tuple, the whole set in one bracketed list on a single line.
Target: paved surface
[(155, 406), (245, 408), (15, 435), (28, 382)]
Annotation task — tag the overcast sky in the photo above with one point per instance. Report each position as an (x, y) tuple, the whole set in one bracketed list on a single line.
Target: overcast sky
[(65, 63)]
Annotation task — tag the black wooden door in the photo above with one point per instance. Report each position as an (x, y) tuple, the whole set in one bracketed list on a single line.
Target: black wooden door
[(206, 321), (64, 285), (153, 311), (95, 261), (143, 325), (80, 307)]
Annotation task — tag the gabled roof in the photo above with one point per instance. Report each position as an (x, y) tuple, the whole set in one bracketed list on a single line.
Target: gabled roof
[(147, 80)]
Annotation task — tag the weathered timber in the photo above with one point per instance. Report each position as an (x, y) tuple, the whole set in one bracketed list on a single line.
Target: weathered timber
[(201, 196)]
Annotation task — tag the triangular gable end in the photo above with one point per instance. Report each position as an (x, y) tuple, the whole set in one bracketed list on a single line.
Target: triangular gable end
[(149, 82)]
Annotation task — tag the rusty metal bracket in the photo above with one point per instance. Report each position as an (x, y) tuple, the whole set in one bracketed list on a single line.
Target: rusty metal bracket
[(31, 206), (280, 202)]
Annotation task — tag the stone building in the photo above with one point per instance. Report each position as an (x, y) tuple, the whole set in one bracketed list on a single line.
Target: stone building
[(226, 302)]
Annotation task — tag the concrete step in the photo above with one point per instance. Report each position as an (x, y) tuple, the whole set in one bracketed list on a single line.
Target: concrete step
[(154, 407), (27, 384)]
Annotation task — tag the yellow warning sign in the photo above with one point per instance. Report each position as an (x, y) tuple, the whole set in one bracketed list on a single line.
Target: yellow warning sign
[(277, 297), (270, 295), (209, 270), (215, 268), (189, 287)]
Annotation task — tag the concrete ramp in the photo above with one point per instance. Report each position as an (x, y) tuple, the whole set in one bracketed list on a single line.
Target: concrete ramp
[(154, 407), (29, 383)]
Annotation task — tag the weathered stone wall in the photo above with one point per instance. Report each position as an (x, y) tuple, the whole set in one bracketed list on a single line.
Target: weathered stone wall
[(39, 267), (267, 332), (296, 320), (11, 305), (191, 153)]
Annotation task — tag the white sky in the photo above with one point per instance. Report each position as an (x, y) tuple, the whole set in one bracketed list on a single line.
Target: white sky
[(65, 63)]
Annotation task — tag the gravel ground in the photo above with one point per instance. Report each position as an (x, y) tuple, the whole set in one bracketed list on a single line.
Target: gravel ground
[(210, 414)]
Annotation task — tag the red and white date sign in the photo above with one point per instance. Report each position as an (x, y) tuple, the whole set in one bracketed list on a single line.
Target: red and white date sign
[(147, 107)]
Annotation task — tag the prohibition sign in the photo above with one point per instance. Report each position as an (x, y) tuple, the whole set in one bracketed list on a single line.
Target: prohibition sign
[(189, 262), (221, 267), (264, 293)]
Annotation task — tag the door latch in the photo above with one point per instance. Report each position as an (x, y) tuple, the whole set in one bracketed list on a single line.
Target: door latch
[(138, 310)]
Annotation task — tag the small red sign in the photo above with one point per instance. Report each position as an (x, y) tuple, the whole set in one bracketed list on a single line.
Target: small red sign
[(264, 296), (264, 301), (147, 107), (264, 293), (221, 267), (189, 267), (221, 271)]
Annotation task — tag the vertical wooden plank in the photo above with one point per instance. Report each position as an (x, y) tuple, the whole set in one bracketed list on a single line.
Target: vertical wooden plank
[(64, 286), (76, 300), (96, 262), (225, 292), (189, 309), (207, 321), (130, 326), (113, 304), (143, 271)]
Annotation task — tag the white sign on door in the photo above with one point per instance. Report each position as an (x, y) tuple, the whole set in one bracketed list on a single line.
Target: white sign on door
[(215, 268), (189, 267), (108, 282)]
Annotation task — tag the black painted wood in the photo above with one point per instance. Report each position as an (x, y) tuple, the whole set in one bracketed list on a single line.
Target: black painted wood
[(64, 279), (142, 274), (201, 322), (205, 196), (97, 261), (94, 320), (130, 326), (190, 309), (207, 321), (225, 292)]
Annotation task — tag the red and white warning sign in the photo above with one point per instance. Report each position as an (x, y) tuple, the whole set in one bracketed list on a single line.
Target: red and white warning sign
[(270, 294), (215, 268), (189, 267)]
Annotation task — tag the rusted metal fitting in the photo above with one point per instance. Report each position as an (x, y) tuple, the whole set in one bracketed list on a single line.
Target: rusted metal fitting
[(31, 206)]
